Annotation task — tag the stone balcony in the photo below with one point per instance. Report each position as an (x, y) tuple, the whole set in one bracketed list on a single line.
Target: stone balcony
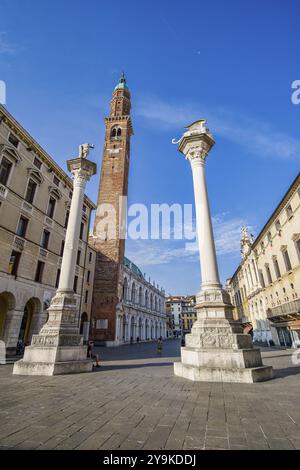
[(288, 308)]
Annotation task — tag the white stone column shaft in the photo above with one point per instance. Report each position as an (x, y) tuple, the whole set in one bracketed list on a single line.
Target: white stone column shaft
[(208, 259), (72, 236)]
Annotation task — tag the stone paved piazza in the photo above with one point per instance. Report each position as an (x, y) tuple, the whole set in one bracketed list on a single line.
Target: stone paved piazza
[(134, 401)]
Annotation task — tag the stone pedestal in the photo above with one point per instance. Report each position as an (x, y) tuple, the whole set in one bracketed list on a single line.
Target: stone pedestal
[(217, 350), (58, 348)]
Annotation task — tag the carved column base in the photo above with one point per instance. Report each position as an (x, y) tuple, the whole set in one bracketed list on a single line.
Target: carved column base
[(217, 350), (58, 348)]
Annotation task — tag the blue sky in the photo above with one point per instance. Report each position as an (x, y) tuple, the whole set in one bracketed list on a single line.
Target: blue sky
[(230, 62)]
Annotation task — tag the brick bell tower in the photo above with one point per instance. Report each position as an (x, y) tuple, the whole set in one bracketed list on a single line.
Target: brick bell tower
[(107, 295)]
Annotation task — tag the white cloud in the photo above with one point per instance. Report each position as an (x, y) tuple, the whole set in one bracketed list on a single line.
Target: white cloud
[(257, 137), (5, 46), (227, 232)]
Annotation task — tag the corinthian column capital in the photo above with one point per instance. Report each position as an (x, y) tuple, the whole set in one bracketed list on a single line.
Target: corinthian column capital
[(197, 154), (80, 177), (81, 170)]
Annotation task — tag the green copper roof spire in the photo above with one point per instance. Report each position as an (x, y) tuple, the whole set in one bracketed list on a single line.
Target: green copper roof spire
[(122, 83)]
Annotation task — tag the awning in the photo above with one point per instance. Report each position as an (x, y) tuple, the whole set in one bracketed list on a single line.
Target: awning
[(295, 325)]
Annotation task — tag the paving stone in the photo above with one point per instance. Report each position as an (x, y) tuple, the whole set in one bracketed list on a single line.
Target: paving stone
[(216, 443), (135, 402), (237, 441), (216, 431), (280, 444), (257, 444), (237, 447)]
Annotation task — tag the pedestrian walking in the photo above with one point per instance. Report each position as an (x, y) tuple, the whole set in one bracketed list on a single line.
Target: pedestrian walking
[(159, 346)]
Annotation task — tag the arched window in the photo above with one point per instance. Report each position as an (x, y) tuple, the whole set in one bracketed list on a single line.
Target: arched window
[(151, 301), (140, 296), (146, 299), (116, 133), (125, 287), (133, 293)]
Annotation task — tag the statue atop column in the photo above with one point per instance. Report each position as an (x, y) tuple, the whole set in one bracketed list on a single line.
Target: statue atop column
[(216, 350), (84, 150), (58, 348)]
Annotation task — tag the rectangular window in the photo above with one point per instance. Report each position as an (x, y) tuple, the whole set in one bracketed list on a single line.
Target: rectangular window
[(102, 324), (45, 239), (13, 140), (268, 274), (56, 180), (57, 278), (297, 243), (39, 272), (270, 237), (37, 163), (67, 219), (254, 269), (90, 257), (31, 189), (88, 276), (81, 231), (289, 211), (14, 262), (51, 207), (287, 260), (84, 208), (86, 296), (276, 267), (75, 284), (261, 278), (5, 169), (78, 257), (62, 247), (22, 227)]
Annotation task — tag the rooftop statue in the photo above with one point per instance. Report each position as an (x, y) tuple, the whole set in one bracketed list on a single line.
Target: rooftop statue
[(84, 150)]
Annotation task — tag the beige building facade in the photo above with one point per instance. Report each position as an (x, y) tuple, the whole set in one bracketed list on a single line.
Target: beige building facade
[(189, 313), (143, 312), (181, 312), (265, 289), (35, 196)]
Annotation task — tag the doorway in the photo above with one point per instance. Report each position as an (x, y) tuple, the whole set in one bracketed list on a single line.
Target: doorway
[(284, 337)]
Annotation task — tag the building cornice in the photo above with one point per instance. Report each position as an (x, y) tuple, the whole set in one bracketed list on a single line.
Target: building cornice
[(32, 144), (287, 196)]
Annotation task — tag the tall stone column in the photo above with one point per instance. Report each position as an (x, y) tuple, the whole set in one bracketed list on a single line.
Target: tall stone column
[(208, 260), (216, 350), (58, 348)]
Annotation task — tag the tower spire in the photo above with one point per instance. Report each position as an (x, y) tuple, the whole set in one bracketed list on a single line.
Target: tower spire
[(122, 83), (120, 103)]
